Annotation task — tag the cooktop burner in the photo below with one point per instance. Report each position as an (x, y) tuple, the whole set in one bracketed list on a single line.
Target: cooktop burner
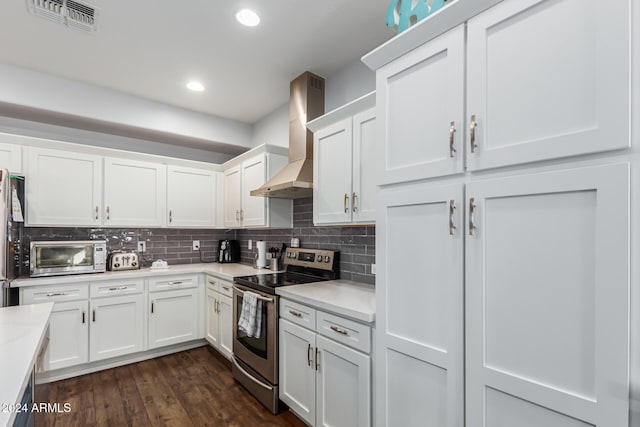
[(302, 266)]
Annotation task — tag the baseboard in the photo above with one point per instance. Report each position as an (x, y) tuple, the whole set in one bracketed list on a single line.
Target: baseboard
[(88, 368)]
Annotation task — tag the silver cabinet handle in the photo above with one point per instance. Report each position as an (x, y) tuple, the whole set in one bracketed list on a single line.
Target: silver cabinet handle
[(354, 196), (339, 330), (108, 214), (452, 226), (346, 202), (170, 216), (472, 220), (94, 314), (241, 214), (96, 212), (452, 132), (153, 303), (84, 316), (178, 282), (226, 288), (211, 283), (309, 355), (118, 288), (56, 294), (295, 313), (472, 128), (317, 359), (218, 306)]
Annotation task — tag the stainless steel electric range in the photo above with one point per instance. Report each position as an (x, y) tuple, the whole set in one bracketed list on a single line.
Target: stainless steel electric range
[(255, 360)]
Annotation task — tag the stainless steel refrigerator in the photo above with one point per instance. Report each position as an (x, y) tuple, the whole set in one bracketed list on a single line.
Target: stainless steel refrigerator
[(12, 255)]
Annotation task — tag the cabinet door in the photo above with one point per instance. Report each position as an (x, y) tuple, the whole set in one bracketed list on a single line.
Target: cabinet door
[(134, 193), (547, 299), (213, 324), (63, 188), (225, 315), (297, 370), (332, 160), (363, 198), (191, 197), (68, 335), (232, 198), (173, 317), (419, 300), (11, 157), (343, 386), (117, 326), (254, 209), (548, 79), (419, 97)]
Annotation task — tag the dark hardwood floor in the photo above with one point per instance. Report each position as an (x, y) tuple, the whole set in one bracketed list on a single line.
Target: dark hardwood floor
[(191, 388)]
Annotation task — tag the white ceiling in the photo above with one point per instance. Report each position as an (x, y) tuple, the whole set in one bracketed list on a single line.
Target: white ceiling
[(152, 48)]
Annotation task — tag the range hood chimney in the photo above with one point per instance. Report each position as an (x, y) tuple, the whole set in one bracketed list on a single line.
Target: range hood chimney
[(306, 102)]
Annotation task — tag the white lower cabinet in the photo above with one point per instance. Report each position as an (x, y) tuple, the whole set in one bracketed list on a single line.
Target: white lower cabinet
[(219, 316), (173, 310), (68, 335), (543, 323), (324, 381), (117, 326)]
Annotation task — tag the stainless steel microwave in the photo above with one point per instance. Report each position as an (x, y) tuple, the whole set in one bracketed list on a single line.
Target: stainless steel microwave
[(67, 257)]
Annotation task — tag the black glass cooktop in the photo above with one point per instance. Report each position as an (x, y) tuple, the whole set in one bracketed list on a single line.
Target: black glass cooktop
[(268, 282)]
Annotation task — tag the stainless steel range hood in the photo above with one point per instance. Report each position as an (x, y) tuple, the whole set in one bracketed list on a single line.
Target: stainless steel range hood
[(306, 102)]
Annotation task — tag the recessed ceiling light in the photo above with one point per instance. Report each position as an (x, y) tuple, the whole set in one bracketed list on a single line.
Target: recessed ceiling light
[(248, 17), (195, 86)]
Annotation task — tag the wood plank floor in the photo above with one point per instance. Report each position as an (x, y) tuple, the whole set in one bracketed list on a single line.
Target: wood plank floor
[(191, 388)]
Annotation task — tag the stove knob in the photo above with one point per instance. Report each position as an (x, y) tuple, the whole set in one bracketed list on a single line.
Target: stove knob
[(319, 258), (133, 264), (327, 258), (116, 265), (294, 255)]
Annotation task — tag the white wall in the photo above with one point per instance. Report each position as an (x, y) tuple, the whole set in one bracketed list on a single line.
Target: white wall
[(26, 90), (78, 136), (273, 128), (349, 83)]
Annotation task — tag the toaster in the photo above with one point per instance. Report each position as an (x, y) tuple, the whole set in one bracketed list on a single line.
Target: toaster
[(123, 261)]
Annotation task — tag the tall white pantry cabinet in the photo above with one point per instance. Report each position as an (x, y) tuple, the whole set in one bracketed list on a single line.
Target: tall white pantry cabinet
[(506, 147)]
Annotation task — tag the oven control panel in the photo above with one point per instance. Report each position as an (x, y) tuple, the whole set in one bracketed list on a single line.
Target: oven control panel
[(315, 258)]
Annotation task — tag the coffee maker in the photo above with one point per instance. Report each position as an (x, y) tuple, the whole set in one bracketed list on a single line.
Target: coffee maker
[(228, 251)]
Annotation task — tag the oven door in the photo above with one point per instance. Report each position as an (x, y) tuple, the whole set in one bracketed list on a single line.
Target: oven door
[(261, 354)]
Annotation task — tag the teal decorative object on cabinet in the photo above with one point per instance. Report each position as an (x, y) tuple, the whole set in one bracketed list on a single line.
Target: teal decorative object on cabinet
[(405, 13)]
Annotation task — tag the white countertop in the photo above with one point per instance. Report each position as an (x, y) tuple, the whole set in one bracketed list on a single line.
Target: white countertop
[(22, 330), (223, 271), (342, 297)]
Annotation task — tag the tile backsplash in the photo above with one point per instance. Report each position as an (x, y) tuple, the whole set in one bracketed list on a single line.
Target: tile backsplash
[(356, 244)]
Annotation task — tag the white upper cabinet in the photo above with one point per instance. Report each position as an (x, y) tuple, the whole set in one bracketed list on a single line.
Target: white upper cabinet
[(344, 187), (547, 79), (191, 197), (10, 157), (63, 188), (241, 209), (547, 299), (134, 193), (253, 210), (420, 106)]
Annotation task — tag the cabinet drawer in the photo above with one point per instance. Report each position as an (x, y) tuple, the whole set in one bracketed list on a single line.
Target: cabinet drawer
[(225, 288), (348, 332), (39, 294), (213, 283), (116, 288), (298, 314), (177, 282)]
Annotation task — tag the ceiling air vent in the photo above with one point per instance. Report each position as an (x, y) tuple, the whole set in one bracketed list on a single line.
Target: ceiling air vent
[(73, 14)]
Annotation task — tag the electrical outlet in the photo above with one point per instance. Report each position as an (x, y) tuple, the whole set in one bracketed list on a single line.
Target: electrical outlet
[(196, 245), (250, 244), (142, 246), (373, 269)]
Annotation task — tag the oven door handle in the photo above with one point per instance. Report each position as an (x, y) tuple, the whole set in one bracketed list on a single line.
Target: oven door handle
[(260, 383), (261, 298)]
